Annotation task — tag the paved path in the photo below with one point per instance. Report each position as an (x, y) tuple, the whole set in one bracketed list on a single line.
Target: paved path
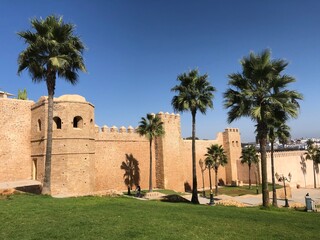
[(19, 183), (298, 195)]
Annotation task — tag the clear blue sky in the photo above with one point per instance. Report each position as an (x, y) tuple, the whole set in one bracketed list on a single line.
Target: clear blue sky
[(136, 49)]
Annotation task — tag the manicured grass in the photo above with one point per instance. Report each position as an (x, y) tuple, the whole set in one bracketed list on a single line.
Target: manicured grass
[(42, 217), (239, 191)]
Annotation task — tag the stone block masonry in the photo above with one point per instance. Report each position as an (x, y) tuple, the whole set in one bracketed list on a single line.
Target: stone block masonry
[(15, 138), (87, 159)]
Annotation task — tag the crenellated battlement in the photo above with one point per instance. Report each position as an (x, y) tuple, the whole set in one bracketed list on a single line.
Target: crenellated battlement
[(114, 129), (232, 130), (168, 115)]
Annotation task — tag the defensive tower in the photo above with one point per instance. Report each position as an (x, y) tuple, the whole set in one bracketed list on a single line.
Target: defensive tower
[(72, 171)]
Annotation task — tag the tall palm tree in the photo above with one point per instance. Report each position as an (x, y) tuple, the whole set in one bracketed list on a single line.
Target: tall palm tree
[(277, 128), (219, 158), (313, 153), (249, 156), (256, 93), (194, 93), (52, 51), (151, 127)]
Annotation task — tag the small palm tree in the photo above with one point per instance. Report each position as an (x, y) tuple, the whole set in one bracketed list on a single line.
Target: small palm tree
[(249, 156), (256, 93), (209, 165), (219, 158), (194, 93), (313, 153), (151, 127), (52, 51)]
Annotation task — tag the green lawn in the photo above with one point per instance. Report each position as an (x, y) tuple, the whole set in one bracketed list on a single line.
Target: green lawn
[(239, 191), (41, 217)]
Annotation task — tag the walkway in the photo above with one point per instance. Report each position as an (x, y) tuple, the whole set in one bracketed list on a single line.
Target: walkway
[(298, 196), (19, 183)]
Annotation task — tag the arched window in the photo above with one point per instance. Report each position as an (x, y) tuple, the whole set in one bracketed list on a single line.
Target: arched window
[(39, 125), (77, 122), (57, 122)]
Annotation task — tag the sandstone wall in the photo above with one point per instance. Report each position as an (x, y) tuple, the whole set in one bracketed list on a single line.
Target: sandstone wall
[(285, 162), (232, 146), (15, 136), (86, 159), (73, 147), (201, 150), (117, 150), (170, 163), (293, 162)]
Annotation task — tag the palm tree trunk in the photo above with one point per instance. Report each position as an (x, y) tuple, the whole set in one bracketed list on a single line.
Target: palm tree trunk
[(263, 151), (274, 192), (216, 172), (150, 171), (211, 192), (314, 175), (194, 198), (210, 179), (46, 189), (249, 165)]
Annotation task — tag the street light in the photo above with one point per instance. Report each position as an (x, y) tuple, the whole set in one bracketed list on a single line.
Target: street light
[(282, 178)]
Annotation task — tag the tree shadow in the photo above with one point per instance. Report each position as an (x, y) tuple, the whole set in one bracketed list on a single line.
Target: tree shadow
[(303, 166), (221, 182), (131, 174), (187, 187), (174, 198)]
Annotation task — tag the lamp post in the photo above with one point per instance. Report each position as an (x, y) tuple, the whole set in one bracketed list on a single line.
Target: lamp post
[(282, 178)]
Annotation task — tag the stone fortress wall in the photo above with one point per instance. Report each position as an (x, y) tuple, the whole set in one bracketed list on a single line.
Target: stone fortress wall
[(88, 159)]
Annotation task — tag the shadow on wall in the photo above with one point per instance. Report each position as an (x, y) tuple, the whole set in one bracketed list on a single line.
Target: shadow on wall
[(131, 174), (221, 182), (303, 165), (187, 187)]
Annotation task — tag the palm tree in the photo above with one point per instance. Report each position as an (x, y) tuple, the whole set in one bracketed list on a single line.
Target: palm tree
[(151, 127), (52, 51), (194, 93), (313, 153), (277, 129), (256, 93), (249, 156), (283, 135), (219, 158)]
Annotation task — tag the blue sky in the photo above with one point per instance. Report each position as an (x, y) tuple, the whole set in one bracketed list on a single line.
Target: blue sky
[(136, 49)]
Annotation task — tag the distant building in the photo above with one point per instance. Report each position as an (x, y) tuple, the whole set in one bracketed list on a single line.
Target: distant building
[(5, 94)]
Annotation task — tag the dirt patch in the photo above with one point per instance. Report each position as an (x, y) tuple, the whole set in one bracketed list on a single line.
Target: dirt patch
[(230, 202), (6, 192)]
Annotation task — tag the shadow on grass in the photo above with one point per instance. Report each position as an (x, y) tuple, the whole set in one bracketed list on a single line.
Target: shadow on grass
[(174, 198)]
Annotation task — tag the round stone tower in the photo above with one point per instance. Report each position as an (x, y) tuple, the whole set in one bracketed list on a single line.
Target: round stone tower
[(72, 167)]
